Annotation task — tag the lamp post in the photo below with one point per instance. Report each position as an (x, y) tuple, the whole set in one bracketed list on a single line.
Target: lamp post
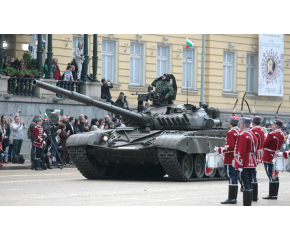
[(39, 54), (95, 58), (1, 53), (49, 56), (86, 55)]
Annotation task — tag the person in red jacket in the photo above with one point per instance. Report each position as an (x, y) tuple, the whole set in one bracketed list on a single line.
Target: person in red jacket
[(257, 130), (228, 151), (272, 146), (245, 160), (38, 143), (56, 74)]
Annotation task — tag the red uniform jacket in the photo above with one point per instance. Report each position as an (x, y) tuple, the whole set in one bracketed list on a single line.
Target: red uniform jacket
[(272, 145), (261, 139), (229, 148), (56, 73), (38, 133), (245, 148)]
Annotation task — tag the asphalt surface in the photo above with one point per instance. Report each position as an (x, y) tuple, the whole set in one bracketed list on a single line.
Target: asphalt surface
[(67, 187)]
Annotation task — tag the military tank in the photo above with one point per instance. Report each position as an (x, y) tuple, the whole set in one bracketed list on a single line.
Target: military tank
[(163, 140)]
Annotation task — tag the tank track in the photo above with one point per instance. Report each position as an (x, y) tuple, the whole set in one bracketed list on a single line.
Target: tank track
[(169, 161), (80, 160)]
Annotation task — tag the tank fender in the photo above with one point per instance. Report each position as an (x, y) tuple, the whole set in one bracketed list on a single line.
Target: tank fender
[(88, 138), (189, 144)]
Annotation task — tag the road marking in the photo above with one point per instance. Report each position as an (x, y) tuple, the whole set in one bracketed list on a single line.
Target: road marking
[(43, 180)]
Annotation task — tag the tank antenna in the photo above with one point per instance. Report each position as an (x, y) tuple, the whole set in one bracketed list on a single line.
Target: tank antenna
[(278, 110)]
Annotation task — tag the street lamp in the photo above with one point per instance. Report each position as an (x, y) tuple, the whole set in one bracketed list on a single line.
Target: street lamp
[(5, 45)]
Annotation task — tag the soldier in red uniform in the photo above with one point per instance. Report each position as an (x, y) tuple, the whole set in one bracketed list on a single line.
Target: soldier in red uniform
[(256, 129), (245, 160), (38, 143), (228, 151), (272, 146)]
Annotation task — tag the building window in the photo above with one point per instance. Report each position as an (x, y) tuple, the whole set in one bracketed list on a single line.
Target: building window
[(76, 41), (136, 64), (252, 73), (229, 72), (108, 60), (162, 60), (189, 69)]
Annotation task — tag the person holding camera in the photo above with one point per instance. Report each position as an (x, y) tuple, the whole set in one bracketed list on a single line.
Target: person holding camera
[(79, 58), (38, 143), (105, 89)]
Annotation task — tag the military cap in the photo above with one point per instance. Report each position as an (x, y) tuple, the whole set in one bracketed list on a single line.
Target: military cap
[(246, 120), (278, 122), (257, 119), (234, 119)]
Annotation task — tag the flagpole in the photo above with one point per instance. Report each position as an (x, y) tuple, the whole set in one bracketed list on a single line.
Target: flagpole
[(186, 73)]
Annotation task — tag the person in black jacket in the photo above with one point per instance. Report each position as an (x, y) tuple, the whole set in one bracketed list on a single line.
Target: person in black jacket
[(140, 107), (105, 89), (82, 126), (70, 126)]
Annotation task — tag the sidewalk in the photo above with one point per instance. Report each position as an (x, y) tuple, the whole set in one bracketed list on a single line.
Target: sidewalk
[(25, 165)]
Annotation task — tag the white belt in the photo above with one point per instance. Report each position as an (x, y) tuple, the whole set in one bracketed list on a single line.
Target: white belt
[(270, 150)]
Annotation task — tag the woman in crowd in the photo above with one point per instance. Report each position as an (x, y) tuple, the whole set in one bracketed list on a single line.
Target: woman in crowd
[(56, 73), (79, 58), (101, 123), (121, 100), (10, 148), (3, 153), (106, 126), (5, 128), (62, 144), (45, 68), (94, 124), (77, 123), (67, 76), (74, 73), (22, 65)]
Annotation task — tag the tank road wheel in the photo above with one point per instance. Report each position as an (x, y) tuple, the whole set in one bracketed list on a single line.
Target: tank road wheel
[(220, 172), (186, 163), (198, 166)]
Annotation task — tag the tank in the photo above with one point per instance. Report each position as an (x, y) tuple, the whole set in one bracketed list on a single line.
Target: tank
[(163, 140)]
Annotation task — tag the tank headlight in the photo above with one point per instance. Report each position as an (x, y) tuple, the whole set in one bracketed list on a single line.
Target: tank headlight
[(105, 138)]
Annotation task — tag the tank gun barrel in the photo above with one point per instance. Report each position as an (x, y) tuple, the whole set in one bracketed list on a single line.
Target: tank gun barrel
[(88, 101)]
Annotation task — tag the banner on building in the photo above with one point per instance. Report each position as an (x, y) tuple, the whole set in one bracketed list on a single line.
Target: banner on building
[(271, 71)]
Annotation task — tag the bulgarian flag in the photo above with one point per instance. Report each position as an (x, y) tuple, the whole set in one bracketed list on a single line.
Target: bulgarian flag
[(57, 138), (56, 112), (46, 117), (188, 43), (274, 172)]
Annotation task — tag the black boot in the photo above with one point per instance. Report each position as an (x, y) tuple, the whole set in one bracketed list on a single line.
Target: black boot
[(247, 197), (273, 190), (48, 166), (255, 191), (37, 165), (233, 192)]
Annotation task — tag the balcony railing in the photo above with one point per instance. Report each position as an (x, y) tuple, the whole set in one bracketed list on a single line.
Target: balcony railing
[(71, 86), (21, 86)]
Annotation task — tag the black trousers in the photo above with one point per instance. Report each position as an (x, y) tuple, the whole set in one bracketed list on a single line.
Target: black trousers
[(38, 152), (246, 177)]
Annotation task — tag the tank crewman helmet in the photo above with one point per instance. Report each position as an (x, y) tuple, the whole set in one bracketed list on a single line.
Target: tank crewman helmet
[(234, 119), (246, 120), (257, 119), (279, 122)]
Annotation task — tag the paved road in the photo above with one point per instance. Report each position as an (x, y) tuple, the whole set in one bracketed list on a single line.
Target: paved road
[(68, 187)]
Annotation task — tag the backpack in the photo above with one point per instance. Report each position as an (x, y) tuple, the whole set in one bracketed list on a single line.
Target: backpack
[(19, 159)]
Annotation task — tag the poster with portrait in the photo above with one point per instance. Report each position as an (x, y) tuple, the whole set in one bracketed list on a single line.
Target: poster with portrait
[(271, 55)]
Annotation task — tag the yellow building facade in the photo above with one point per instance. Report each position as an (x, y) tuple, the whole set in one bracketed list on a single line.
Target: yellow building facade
[(133, 61)]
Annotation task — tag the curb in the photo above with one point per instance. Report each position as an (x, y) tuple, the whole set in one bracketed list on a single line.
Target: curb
[(11, 166)]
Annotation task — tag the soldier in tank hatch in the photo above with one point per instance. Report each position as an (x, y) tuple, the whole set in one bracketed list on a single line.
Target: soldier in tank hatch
[(164, 88)]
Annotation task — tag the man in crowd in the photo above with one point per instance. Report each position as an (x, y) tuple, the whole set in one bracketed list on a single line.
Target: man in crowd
[(228, 151), (38, 143), (272, 145), (107, 119), (147, 105), (82, 126), (256, 129), (245, 160), (17, 131), (105, 89), (30, 135), (70, 126), (111, 125)]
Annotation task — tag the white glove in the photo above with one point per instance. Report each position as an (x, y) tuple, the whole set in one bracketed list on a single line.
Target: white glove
[(216, 149), (280, 154), (44, 143), (240, 169)]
